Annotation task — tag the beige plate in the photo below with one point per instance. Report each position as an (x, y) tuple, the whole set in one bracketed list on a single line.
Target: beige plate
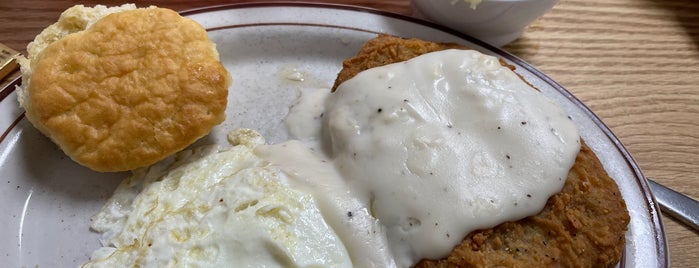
[(47, 200)]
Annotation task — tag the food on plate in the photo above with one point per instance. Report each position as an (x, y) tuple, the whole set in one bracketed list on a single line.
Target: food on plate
[(123, 87), (455, 129), (215, 206), (581, 225), (425, 155), (278, 205)]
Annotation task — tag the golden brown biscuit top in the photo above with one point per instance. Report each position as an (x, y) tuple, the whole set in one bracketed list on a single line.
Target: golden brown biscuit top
[(130, 90)]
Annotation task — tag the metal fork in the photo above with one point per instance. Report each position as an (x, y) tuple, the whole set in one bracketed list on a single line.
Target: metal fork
[(677, 205)]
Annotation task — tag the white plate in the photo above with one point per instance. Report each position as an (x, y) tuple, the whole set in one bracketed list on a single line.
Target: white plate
[(47, 200)]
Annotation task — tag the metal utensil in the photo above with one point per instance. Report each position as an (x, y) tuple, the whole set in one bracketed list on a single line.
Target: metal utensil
[(677, 205)]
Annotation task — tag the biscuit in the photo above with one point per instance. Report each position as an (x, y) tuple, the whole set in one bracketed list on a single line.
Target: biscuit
[(582, 226), (132, 88)]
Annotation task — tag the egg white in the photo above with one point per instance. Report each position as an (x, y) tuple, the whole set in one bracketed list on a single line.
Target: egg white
[(214, 207)]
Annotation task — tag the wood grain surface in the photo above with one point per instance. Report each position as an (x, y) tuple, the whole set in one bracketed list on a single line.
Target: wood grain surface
[(635, 63)]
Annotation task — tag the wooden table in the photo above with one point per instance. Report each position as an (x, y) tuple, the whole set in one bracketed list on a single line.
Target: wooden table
[(635, 63)]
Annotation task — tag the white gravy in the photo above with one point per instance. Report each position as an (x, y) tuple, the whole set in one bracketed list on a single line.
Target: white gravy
[(430, 150)]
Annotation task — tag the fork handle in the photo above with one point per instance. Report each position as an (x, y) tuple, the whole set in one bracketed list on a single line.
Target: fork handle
[(677, 205)]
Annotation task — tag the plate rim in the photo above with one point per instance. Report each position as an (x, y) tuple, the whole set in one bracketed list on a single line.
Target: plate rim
[(660, 237)]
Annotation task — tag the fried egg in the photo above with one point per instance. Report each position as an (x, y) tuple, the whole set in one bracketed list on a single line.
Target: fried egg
[(214, 207)]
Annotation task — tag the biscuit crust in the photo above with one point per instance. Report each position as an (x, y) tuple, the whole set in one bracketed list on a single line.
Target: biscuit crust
[(130, 90), (582, 226)]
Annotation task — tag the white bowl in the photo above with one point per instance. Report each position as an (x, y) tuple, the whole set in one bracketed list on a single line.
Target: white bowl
[(496, 22)]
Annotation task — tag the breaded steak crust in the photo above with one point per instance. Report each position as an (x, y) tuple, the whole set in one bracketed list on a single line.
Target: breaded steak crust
[(582, 226)]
